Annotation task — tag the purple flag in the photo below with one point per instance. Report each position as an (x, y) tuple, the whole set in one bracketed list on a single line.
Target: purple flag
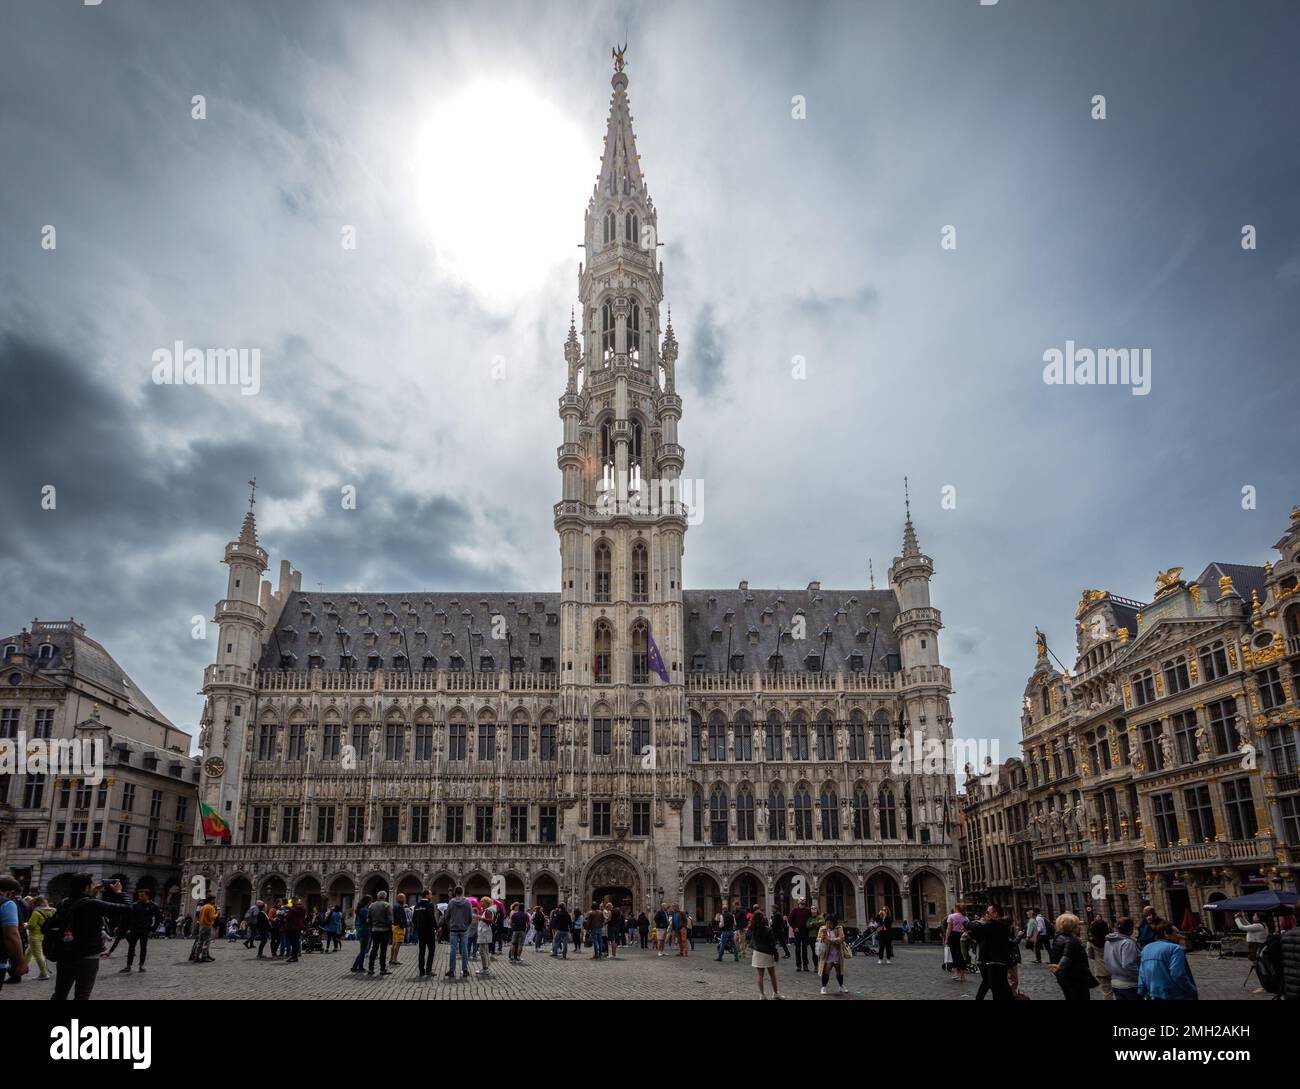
[(656, 662)]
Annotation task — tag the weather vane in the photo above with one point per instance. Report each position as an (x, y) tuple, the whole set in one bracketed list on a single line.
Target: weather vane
[(252, 492), (617, 53)]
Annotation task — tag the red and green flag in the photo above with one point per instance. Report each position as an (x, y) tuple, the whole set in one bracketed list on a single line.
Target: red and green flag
[(213, 826)]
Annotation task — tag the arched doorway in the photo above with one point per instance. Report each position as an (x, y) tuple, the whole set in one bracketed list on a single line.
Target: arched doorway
[(546, 893), (374, 885), (746, 891), (883, 891), (239, 896), (272, 889), (783, 892), (703, 898), (478, 885), (926, 899), (343, 894), (515, 891), (443, 885), (307, 889), (835, 897), (612, 877), (410, 886)]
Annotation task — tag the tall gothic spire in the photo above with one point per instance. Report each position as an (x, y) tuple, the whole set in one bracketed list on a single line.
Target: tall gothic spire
[(620, 170), (248, 532), (910, 545)]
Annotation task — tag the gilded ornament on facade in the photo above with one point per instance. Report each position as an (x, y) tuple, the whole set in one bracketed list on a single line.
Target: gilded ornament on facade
[(1168, 580)]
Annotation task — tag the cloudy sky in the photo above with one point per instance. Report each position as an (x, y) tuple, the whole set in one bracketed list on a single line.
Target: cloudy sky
[(458, 144)]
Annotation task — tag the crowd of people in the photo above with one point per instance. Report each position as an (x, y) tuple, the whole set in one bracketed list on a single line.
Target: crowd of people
[(1129, 961)]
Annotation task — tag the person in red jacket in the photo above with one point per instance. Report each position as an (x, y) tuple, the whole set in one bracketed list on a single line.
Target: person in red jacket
[(294, 921)]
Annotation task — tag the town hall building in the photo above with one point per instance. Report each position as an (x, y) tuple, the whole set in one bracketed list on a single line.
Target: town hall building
[(617, 735)]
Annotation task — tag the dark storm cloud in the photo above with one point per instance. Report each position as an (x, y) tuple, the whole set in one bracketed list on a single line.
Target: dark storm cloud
[(708, 358)]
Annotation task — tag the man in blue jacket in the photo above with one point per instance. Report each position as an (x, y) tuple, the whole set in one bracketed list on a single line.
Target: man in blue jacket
[(1164, 973)]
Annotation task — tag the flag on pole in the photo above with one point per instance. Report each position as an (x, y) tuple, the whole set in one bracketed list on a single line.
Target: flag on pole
[(213, 826), (656, 662)]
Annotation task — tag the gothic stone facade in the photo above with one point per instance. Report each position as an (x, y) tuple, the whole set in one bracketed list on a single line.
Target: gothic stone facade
[(364, 741)]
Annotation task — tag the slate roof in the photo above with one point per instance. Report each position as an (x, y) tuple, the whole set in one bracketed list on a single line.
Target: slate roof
[(89, 660), (532, 618), (1245, 578)]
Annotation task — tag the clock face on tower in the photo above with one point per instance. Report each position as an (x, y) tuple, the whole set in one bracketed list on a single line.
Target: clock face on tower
[(214, 766)]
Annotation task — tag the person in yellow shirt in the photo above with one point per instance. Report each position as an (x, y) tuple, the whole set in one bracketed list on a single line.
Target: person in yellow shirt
[(41, 911)]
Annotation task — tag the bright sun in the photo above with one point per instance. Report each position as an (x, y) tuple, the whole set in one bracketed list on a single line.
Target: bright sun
[(502, 178)]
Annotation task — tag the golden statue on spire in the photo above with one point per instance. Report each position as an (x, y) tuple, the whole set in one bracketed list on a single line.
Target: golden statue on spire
[(617, 53)]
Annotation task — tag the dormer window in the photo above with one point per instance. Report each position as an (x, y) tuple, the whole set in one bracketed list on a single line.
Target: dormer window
[(697, 662), (855, 661), (46, 652), (737, 663), (486, 663), (316, 661), (10, 650), (429, 664), (775, 663), (813, 663), (374, 662), (457, 664)]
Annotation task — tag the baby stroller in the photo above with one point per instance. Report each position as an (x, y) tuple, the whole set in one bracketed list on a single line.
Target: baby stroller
[(312, 940), (864, 941)]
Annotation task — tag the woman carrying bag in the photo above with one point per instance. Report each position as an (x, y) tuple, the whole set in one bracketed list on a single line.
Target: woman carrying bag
[(832, 951)]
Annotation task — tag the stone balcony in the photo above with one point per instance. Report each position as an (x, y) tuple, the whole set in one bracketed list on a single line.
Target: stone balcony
[(1220, 852)]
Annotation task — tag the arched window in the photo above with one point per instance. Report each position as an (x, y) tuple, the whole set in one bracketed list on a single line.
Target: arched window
[(604, 567), (776, 813), (640, 653), (608, 232), (799, 736), (631, 231), (607, 330), (717, 736), (634, 335), (695, 737), (640, 573), (825, 737), (888, 814), (861, 812), (697, 816), (604, 652), (803, 817), (830, 812), (744, 813), (744, 733), (880, 739), (833, 895), (775, 740), (634, 458), (857, 736), (718, 815), (908, 819)]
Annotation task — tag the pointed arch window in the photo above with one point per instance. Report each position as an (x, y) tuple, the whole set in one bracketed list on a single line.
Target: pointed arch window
[(888, 814), (603, 569), (640, 573), (695, 737), (744, 739), (857, 736), (697, 816), (604, 643), (631, 228), (830, 812), (803, 815), (825, 737), (640, 653), (717, 737), (861, 812), (775, 741), (880, 739), (744, 813), (607, 330), (908, 819), (718, 815), (609, 232), (799, 737), (634, 458), (776, 813), (634, 335)]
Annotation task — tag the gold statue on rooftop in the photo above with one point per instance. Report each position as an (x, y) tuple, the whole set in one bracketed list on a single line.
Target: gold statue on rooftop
[(617, 53), (1168, 580)]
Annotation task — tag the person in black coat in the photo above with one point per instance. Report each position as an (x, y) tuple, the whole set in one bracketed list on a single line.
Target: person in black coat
[(80, 942), (1070, 960), (141, 925), (992, 936)]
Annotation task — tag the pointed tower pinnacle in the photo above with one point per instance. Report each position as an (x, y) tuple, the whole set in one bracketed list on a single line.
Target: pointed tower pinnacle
[(248, 532), (910, 545), (620, 167)]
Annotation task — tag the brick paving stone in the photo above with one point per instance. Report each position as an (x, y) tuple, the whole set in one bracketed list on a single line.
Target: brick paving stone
[(237, 974)]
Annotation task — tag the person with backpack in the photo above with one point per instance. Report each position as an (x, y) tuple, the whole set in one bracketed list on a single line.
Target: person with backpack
[(41, 911), (74, 937), (140, 926)]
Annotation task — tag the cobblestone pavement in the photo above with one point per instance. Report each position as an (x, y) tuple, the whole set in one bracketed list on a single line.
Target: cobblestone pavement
[(237, 974)]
